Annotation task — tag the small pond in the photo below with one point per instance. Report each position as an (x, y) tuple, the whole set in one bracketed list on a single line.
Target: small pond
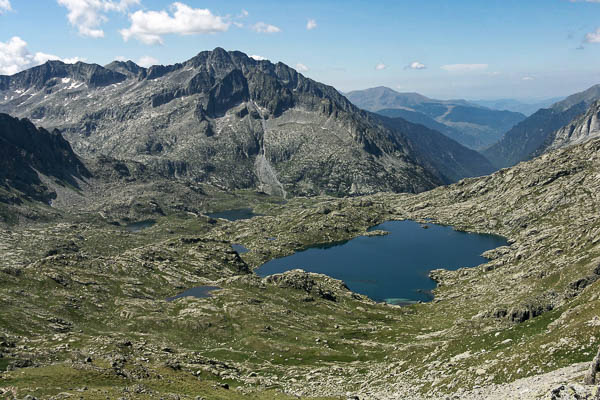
[(200, 292), (239, 248), (140, 225), (393, 268), (234, 215)]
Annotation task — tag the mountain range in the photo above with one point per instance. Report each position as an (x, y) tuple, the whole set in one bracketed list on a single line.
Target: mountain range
[(472, 125), (524, 107), (226, 119), (536, 134)]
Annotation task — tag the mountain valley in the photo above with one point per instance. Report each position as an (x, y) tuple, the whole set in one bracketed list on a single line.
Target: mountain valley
[(88, 306), (471, 125)]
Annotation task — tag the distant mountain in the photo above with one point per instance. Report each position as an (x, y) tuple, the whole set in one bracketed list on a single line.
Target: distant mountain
[(27, 154), (417, 117), (444, 157), (524, 140), (532, 136), (469, 124), (226, 119), (526, 108), (587, 97)]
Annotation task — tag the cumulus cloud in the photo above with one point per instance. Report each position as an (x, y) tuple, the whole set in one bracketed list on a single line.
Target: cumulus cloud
[(416, 65), (593, 37), (311, 24), (464, 67), (15, 57), (262, 27), (527, 78), (258, 58), (88, 15), (301, 67), (380, 66), (5, 6), (149, 26), (147, 61)]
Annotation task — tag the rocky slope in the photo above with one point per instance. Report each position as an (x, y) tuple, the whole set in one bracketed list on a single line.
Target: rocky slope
[(584, 127), (85, 308), (28, 155), (225, 119), (469, 124)]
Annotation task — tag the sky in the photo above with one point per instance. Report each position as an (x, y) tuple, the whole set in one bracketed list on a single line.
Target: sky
[(473, 49)]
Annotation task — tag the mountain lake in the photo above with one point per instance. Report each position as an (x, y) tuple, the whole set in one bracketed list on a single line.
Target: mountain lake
[(393, 268)]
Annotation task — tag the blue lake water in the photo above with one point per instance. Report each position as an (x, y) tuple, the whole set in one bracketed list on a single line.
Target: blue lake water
[(239, 248), (200, 292), (234, 215), (395, 267)]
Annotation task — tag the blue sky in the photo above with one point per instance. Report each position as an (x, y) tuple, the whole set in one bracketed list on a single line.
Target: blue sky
[(457, 48)]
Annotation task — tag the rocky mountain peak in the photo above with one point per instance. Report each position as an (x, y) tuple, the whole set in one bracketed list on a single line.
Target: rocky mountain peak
[(226, 118), (50, 73), (127, 68)]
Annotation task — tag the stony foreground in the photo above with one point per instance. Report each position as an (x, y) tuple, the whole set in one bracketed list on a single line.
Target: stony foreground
[(84, 312)]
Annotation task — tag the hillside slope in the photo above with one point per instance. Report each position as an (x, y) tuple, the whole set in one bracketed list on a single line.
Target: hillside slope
[(26, 153)]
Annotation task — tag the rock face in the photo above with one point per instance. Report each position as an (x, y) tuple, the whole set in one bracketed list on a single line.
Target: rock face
[(581, 129), (26, 152), (469, 124), (225, 119), (537, 133)]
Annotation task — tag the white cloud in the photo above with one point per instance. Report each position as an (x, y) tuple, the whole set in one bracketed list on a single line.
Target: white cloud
[(149, 26), (15, 57), (528, 78), (261, 27), (69, 60), (301, 67), (258, 58), (593, 37), (416, 65), (147, 61), (311, 24), (464, 67), (88, 15), (5, 6), (380, 66), (120, 58)]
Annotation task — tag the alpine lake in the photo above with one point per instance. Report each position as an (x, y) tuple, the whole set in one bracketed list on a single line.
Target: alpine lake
[(392, 267)]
